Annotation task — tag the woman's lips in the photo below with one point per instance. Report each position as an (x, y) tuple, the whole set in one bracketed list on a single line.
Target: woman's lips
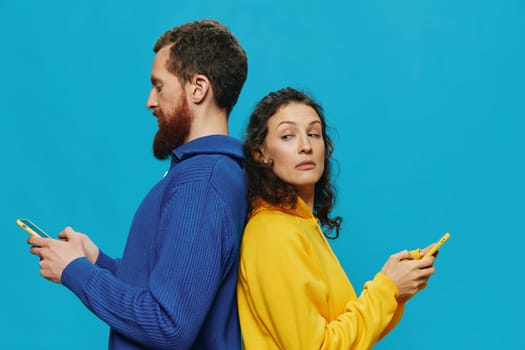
[(305, 165)]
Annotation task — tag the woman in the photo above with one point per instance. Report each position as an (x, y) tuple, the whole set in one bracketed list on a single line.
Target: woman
[(292, 291)]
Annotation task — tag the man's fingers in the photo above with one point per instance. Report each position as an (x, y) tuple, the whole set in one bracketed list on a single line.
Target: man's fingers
[(67, 234), (35, 251), (37, 241)]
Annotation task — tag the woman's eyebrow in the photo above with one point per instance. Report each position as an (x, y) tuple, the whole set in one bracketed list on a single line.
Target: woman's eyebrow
[(317, 121)]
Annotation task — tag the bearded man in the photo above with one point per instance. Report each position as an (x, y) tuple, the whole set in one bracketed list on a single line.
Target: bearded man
[(174, 287)]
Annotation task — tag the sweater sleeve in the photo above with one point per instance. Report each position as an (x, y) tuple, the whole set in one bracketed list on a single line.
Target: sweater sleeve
[(416, 254), (168, 313), (282, 287), (106, 262)]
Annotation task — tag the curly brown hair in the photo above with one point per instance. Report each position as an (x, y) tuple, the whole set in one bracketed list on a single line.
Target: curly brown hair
[(209, 48), (263, 183)]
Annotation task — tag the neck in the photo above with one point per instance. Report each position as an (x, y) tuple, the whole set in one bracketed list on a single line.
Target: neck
[(211, 121), (308, 196)]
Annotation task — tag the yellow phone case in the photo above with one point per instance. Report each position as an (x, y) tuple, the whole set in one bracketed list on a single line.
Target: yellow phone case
[(31, 228), (438, 245)]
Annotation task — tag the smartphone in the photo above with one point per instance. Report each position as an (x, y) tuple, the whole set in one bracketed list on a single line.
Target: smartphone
[(438, 245), (31, 228)]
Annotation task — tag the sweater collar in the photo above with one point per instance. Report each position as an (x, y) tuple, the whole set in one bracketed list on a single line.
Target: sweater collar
[(212, 144), (300, 209)]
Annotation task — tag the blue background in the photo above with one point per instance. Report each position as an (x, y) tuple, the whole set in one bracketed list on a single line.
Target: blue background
[(427, 103)]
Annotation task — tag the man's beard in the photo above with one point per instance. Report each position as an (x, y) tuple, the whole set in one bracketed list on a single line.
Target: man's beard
[(173, 130)]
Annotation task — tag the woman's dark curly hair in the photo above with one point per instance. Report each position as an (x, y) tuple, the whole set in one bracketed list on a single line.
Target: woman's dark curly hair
[(263, 183)]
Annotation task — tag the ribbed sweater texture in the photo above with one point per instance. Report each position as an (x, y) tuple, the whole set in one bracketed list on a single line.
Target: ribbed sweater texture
[(174, 287)]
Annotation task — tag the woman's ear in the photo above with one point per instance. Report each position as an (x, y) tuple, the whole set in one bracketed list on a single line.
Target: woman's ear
[(200, 87), (258, 155)]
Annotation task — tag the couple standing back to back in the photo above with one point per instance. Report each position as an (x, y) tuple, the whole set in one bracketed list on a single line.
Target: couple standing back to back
[(176, 285)]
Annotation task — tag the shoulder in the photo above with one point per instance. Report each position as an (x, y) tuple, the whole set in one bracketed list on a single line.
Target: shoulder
[(226, 171), (273, 240), (271, 230), (214, 183), (210, 154), (272, 219), (215, 169), (210, 165)]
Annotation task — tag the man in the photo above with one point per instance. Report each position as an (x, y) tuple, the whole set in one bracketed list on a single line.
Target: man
[(174, 287)]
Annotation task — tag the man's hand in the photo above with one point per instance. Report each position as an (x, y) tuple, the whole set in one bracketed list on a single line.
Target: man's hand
[(55, 255), (91, 251)]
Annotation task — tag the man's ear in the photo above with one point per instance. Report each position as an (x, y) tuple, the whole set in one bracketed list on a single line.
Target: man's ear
[(200, 88)]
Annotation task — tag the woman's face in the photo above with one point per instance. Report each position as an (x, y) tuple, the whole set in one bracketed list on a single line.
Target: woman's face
[(295, 147)]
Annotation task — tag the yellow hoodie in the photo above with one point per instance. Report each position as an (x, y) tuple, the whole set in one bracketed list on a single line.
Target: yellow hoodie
[(294, 294)]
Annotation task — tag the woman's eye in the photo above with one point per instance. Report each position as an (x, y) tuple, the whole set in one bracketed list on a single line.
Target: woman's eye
[(314, 134), (286, 137)]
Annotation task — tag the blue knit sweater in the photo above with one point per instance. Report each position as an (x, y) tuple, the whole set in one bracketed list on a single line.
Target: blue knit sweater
[(174, 287)]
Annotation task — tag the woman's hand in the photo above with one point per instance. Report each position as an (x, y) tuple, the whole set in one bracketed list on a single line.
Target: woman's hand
[(409, 275)]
